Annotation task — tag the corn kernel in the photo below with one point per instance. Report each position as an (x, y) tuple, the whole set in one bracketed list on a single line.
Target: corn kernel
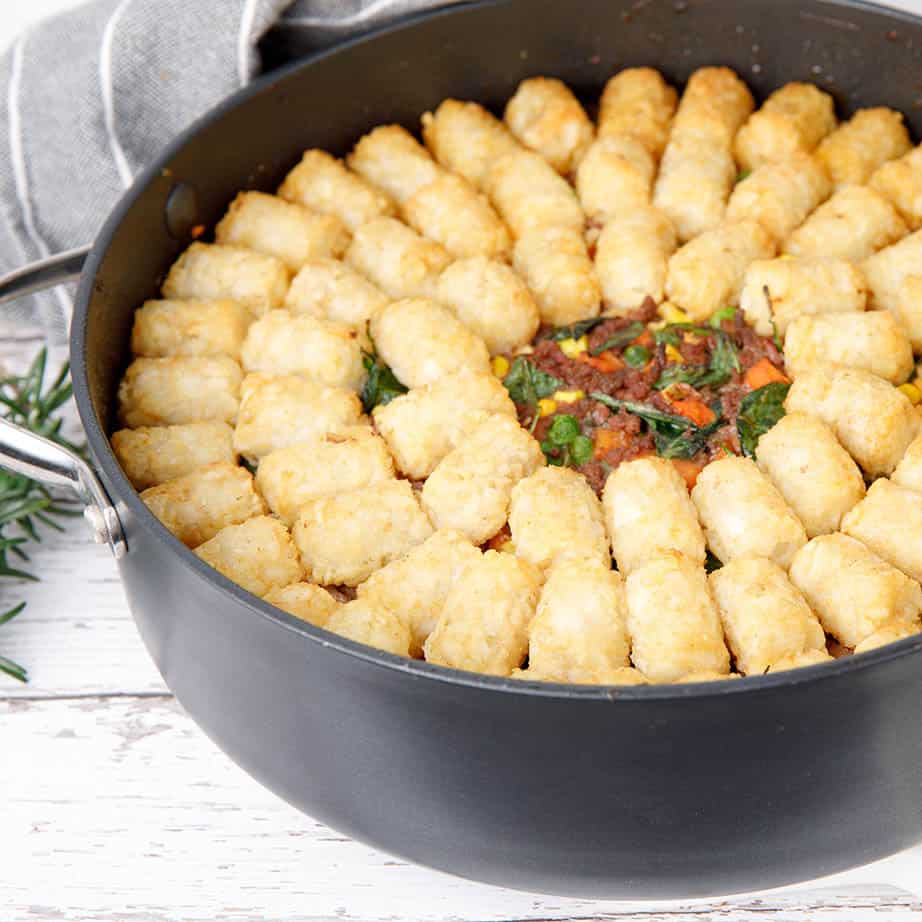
[(500, 366), (546, 406), (507, 547), (571, 348), (672, 313), (913, 392), (568, 396), (673, 355)]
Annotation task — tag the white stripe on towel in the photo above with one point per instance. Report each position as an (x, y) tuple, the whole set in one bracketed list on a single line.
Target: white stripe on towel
[(107, 90)]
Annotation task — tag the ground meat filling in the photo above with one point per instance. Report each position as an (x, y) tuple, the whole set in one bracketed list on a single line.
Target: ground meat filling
[(619, 388)]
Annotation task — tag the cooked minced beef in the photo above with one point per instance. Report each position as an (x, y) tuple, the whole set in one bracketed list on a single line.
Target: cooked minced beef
[(694, 375)]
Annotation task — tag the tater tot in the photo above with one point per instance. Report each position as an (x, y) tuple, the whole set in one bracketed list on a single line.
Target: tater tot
[(799, 660), (153, 454), (707, 273), (423, 425), (492, 300), (855, 223), (812, 471), (290, 232), (546, 117), (694, 183), (765, 617), (397, 259), (210, 271), (889, 522), (889, 633), (196, 506), (452, 212), (471, 487), (744, 515), (528, 194), (321, 182), (281, 410), (484, 623), (776, 291), (631, 257), (908, 472), (873, 420), (334, 463), (365, 622), (306, 601), (615, 177), (390, 158), (345, 537), (638, 102), (713, 106), (851, 589), (466, 139), (165, 328), (555, 514), (648, 510), (579, 632), (900, 182), (672, 620), (859, 146), (894, 277), (281, 342), (423, 341), (258, 555), (555, 265), (780, 195), (330, 289), (416, 585), (180, 389), (793, 120), (872, 340)]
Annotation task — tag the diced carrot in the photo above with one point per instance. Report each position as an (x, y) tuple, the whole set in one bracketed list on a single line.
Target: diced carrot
[(694, 409), (645, 339), (607, 439), (689, 469), (606, 362), (762, 373)]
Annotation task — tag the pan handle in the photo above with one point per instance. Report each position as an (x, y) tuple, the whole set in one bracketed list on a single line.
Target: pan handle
[(34, 456), (44, 273)]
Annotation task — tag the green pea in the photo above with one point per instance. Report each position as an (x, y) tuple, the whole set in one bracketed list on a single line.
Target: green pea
[(636, 356), (581, 450), (563, 430)]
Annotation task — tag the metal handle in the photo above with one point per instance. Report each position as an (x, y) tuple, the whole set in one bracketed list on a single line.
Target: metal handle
[(24, 452)]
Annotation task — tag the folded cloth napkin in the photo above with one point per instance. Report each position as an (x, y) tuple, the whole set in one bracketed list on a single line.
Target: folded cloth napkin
[(89, 96)]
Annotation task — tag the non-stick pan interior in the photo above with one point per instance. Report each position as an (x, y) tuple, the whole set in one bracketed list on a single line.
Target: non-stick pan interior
[(862, 54)]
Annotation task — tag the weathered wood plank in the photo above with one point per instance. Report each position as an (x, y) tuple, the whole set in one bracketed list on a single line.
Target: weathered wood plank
[(121, 809), (76, 636)]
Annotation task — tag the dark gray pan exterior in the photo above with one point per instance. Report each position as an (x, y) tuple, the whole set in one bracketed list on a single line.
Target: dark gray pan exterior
[(632, 793)]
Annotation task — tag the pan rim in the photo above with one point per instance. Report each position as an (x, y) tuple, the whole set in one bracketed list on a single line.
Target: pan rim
[(125, 493)]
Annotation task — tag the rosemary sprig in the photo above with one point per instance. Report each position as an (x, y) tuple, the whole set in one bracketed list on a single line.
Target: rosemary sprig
[(24, 503)]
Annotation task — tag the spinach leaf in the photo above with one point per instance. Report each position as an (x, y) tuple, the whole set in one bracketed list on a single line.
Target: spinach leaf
[(724, 361), (621, 338), (381, 386), (675, 435), (687, 444), (575, 330), (759, 411), (527, 384), (664, 422)]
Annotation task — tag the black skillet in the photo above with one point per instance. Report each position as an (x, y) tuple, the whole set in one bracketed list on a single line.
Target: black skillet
[(651, 792)]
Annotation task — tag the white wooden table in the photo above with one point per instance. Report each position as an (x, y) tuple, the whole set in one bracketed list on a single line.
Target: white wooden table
[(114, 807)]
